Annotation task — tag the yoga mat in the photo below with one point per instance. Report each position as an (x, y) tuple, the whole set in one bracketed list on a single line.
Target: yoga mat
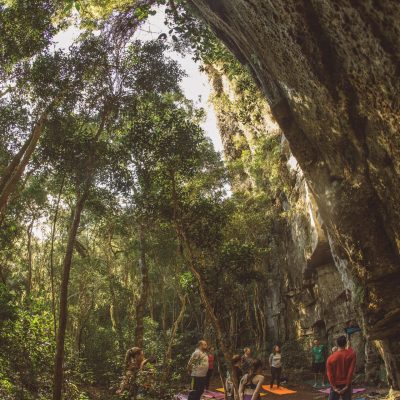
[(222, 391), (208, 394), (327, 391), (280, 391)]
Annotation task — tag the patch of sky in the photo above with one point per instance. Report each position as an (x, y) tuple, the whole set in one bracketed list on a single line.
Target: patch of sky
[(195, 84)]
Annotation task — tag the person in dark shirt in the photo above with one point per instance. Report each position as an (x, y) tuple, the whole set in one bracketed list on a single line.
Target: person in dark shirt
[(251, 383), (246, 360), (340, 368)]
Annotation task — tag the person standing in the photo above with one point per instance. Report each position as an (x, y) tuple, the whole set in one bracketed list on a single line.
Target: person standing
[(275, 362), (211, 359), (198, 368), (340, 368), (318, 362), (251, 383), (246, 360)]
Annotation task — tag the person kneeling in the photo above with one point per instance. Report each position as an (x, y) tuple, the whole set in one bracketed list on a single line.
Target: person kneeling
[(251, 383)]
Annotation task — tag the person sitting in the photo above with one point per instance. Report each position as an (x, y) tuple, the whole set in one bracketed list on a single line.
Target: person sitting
[(251, 383)]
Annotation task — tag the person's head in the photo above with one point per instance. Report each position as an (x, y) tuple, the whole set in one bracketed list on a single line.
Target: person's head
[(255, 368), (316, 342), (277, 349), (247, 351), (341, 341), (211, 350), (202, 345), (236, 360), (334, 348)]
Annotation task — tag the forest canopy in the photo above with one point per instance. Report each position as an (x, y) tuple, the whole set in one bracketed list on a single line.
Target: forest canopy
[(118, 227)]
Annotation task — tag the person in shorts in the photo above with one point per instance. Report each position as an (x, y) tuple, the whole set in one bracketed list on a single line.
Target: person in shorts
[(318, 362)]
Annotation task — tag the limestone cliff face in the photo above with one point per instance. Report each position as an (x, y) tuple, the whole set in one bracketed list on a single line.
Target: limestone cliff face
[(329, 70), (308, 293)]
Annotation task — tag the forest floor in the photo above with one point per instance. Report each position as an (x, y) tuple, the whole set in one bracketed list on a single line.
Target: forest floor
[(303, 388)]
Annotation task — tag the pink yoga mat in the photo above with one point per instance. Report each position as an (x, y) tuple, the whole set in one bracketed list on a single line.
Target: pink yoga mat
[(208, 394), (359, 390)]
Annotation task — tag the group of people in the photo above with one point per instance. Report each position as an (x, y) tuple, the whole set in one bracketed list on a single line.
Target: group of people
[(339, 368), (248, 372)]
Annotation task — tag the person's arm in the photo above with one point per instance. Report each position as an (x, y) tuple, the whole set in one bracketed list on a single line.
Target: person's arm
[(270, 360), (241, 387), (191, 362), (330, 374), (258, 388), (352, 367)]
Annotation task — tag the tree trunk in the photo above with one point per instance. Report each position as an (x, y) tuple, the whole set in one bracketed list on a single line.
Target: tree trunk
[(59, 358), (53, 232), (144, 290), (17, 166), (221, 374), (29, 245), (219, 331), (116, 325), (168, 353), (190, 257)]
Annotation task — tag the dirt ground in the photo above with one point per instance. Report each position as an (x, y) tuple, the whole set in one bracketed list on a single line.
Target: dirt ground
[(301, 383)]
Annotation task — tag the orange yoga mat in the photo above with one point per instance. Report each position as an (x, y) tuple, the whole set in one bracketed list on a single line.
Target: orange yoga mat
[(222, 391), (281, 390)]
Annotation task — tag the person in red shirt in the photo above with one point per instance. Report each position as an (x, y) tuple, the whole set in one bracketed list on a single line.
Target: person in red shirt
[(340, 369), (211, 358)]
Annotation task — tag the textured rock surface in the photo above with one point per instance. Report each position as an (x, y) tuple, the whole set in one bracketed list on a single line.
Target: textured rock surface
[(329, 70), (306, 295)]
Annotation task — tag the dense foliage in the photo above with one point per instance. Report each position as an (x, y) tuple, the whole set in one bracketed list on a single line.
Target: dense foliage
[(116, 224)]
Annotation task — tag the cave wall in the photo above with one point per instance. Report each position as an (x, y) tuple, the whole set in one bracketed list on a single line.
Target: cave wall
[(307, 296), (329, 70)]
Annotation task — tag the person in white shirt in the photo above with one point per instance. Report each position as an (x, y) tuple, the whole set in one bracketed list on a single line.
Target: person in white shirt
[(275, 362), (198, 368)]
